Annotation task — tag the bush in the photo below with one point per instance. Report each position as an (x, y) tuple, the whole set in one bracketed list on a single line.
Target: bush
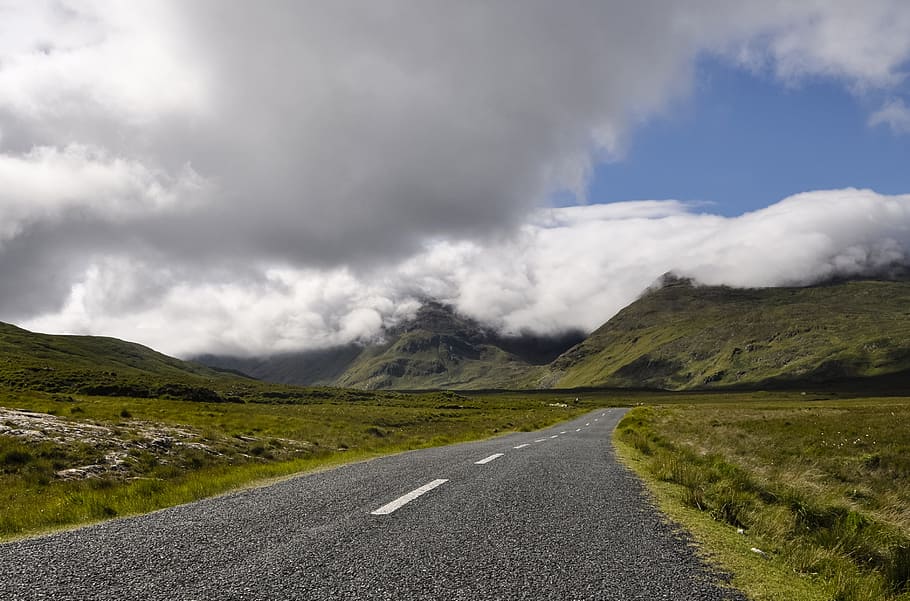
[(897, 569), (377, 432), (184, 392), (16, 458)]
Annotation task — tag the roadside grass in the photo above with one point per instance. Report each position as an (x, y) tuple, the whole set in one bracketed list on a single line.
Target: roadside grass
[(175, 451), (820, 491)]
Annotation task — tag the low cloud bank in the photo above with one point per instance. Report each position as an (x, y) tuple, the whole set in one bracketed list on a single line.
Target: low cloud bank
[(565, 268)]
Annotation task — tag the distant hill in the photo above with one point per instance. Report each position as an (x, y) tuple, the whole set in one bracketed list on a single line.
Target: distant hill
[(677, 336), (439, 348), (436, 349), (683, 336), (98, 365), (320, 367)]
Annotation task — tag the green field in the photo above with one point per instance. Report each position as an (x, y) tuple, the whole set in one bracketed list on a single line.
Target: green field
[(819, 484), (799, 499), (69, 459)]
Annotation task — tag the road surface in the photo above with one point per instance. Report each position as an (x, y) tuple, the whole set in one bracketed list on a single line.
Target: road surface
[(540, 515)]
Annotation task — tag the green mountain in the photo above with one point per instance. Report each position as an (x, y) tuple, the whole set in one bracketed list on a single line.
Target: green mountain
[(98, 365), (436, 349), (676, 336), (683, 336), (440, 349)]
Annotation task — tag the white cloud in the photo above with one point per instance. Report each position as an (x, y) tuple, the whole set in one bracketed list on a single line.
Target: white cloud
[(47, 183), (895, 114), (567, 268), (102, 58), (866, 43)]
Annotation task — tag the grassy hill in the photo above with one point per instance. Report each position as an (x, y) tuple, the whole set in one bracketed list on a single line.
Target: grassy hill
[(99, 365), (436, 349), (676, 336), (439, 348), (683, 336)]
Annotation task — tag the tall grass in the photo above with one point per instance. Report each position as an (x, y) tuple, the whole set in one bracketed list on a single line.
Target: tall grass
[(813, 486)]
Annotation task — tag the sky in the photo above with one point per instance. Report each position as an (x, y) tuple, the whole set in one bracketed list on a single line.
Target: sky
[(743, 140), (258, 178)]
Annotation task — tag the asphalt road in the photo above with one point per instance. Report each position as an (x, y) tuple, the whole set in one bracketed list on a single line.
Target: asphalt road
[(541, 515)]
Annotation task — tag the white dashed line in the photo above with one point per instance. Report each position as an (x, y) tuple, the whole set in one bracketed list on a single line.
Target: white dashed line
[(563, 432), (578, 430), (587, 424), (521, 446), (405, 499), (540, 440), (596, 418), (555, 436), (486, 460)]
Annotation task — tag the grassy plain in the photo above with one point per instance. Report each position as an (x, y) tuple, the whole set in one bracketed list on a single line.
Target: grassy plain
[(806, 499), (130, 455)]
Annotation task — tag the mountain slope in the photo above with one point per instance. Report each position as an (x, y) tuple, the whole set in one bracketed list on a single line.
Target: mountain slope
[(436, 349), (94, 364), (683, 336), (320, 367), (439, 348)]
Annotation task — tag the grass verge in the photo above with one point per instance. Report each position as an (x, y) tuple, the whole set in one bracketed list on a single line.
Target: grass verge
[(798, 501)]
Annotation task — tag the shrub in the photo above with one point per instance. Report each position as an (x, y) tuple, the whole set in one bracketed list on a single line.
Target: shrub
[(377, 432), (16, 458), (897, 569)]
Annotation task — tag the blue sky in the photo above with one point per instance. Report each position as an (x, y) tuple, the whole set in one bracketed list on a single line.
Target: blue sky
[(745, 140)]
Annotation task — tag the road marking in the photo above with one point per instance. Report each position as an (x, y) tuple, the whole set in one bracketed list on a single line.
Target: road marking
[(587, 424), (563, 432), (405, 499), (555, 436), (540, 440), (521, 446), (578, 430), (596, 418), (486, 460)]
